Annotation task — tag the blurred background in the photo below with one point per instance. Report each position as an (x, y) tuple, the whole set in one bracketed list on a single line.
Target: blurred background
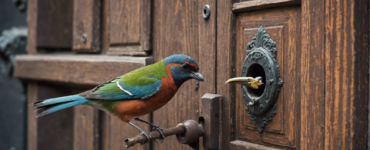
[(13, 40)]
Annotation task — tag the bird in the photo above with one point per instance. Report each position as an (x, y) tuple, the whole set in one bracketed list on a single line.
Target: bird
[(133, 94), (250, 82)]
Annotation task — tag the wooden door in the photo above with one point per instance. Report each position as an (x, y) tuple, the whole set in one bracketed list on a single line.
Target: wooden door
[(317, 60), (75, 45)]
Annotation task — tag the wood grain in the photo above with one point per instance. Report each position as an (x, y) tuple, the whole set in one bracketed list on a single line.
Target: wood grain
[(283, 27), (176, 31), (76, 69), (242, 145), (312, 75), (54, 24), (32, 97), (86, 25), (32, 26), (118, 131), (225, 70), (262, 4), (85, 128), (207, 50), (129, 27), (346, 76), (55, 131)]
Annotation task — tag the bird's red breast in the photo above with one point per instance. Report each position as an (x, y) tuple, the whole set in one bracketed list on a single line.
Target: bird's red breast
[(128, 109)]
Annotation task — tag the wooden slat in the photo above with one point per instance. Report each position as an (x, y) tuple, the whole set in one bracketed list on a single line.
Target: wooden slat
[(129, 27), (312, 75), (262, 4), (347, 64), (176, 28), (207, 53), (225, 70), (77, 69), (32, 91), (32, 26), (85, 128), (118, 131), (241, 145), (54, 131), (207, 49), (54, 24), (86, 25)]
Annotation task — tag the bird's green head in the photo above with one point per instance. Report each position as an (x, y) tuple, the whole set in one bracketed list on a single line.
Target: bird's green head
[(182, 68)]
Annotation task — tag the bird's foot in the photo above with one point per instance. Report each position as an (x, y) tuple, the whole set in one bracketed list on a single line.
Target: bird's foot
[(160, 130), (146, 135)]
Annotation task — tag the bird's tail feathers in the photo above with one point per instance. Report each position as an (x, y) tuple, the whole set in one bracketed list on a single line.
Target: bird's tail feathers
[(55, 104)]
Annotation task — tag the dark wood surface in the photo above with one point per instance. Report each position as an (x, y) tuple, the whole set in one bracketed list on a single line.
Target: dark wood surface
[(262, 4), (283, 27), (225, 70), (176, 28), (129, 27), (312, 75), (32, 26), (76, 69), (322, 50), (32, 91), (54, 133), (346, 80), (86, 126), (86, 25), (54, 24), (242, 145)]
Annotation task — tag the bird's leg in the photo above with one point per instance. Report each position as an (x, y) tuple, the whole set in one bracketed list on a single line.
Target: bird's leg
[(155, 128), (142, 132)]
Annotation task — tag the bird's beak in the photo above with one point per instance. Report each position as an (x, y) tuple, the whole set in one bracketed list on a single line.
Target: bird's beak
[(197, 76), (238, 80)]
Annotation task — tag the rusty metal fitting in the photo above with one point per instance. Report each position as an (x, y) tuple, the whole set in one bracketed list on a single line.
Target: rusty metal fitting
[(192, 132)]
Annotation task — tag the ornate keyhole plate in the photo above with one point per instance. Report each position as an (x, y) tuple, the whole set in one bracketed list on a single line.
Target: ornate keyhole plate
[(261, 61)]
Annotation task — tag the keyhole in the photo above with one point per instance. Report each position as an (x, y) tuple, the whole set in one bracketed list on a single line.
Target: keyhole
[(256, 70)]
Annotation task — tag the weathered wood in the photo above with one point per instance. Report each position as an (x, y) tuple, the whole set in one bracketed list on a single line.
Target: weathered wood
[(283, 27), (129, 27), (242, 145), (207, 49), (312, 133), (86, 126), (346, 75), (32, 91), (54, 24), (105, 26), (77, 69), (86, 25), (54, 133), (262, 4), (32, 26), (225, 70), (176, 28), (118, 131)]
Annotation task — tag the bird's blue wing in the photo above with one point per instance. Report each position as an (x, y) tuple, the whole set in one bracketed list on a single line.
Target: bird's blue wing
[(118, 90)]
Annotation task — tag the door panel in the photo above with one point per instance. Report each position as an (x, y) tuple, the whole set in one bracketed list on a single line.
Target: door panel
[(129, 27), (179, 28), (283, 27)]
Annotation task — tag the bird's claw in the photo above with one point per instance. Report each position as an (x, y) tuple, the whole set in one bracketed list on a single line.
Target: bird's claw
[(146, 135), (160, 130)]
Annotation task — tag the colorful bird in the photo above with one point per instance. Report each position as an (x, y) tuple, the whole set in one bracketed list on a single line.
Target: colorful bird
[(136, 93), (247, 81)]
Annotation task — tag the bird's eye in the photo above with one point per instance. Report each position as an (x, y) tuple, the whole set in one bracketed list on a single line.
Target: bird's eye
[(185, 66)]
